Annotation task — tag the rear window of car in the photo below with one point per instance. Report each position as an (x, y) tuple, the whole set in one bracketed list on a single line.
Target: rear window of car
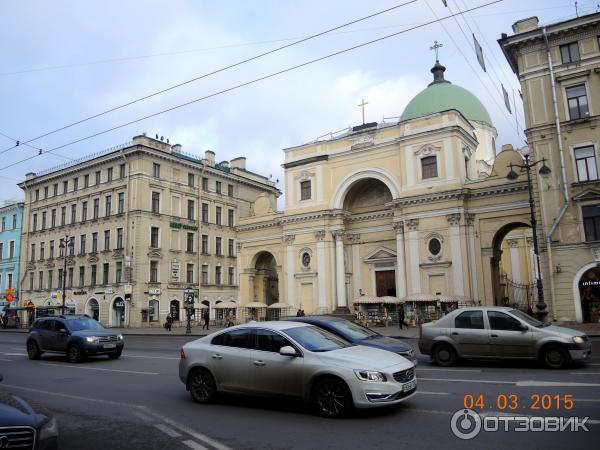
[(235, 338), (469, 319)]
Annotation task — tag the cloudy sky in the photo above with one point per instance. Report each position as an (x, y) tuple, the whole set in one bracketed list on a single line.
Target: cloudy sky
[(63, 61)]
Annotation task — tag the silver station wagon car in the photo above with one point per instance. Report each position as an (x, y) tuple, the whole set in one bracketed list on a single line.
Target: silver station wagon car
[(503, 333), (293, 359)]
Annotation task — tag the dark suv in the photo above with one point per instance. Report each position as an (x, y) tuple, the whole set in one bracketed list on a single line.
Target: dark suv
[(75, 335)]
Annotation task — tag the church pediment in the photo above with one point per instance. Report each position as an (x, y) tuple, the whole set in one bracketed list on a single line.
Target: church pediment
[(590, 194), (380, 254)]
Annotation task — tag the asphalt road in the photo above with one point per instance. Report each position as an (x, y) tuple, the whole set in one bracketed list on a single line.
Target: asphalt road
[(138, 402)]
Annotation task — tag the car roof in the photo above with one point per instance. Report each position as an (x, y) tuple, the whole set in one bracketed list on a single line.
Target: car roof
[(316, 319), (273, 324)]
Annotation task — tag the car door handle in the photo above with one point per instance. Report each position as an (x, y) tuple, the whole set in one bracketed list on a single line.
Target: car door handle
[(494, 335), (454, 333), (215, 356), (259, 363)]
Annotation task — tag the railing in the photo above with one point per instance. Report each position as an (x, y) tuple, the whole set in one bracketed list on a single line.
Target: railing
[(516, 294)]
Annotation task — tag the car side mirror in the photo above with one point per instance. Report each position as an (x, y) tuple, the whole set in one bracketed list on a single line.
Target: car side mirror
[(288, 351), (63, 330), (523, 327)]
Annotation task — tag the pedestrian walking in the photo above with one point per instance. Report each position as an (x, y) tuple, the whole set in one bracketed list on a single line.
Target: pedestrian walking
[(169, 322), (299, 313), (400, 316), (205, 318), (230, 319)]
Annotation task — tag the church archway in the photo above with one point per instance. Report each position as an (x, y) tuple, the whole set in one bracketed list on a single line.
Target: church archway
[(338, 199), (266, 280), (586, 291), (92, 309), (367, 195)]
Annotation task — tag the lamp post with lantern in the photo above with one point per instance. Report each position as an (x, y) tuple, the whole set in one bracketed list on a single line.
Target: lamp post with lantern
[(65, 243), (513, 176)]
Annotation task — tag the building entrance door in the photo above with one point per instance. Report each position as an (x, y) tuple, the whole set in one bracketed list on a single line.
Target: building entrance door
[(589, 290), (385, 283)]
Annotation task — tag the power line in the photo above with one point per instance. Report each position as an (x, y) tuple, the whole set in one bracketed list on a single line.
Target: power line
[(222, 69), (289, 69), (40, 150)]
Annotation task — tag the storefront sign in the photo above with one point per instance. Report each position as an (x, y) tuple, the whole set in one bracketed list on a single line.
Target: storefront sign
[(108, 290), (183, 226), (154, 291), (79, 292), (127, 289), (119, 304), (174, 271), (589, 283)]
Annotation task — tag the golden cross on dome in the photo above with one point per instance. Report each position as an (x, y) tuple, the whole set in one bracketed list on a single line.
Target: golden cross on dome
[(435, 47), (362, 105)]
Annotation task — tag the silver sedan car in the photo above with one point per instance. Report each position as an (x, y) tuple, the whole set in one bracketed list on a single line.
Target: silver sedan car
[(295, 360), (502, 333)]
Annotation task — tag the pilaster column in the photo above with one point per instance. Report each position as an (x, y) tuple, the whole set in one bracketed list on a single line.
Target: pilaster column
[(238, 264), (291, 288), (515, 262), (355, 241), (340, 271), (400, 260), (320, 238), (457, 261), (413, 251), (472, 269)]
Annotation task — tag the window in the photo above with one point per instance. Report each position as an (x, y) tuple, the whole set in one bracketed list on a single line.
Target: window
[(51, 249), (218, 249), (122, 171), (469, 319), (434, 246), (230, 190), (218, 187), (190, 242), (231, 279), (14, 221), (11, 249), (121, 203), (230, 248), (86, 181), (236, 338), (585, 161), (65, 187), (71, 244), (569, 53), (501, 321), (153, 271), (118, 271), (106, 240), (73, 213), (44, 219), (37, 195), (63, 216), (70, 277), (190, 179), (1, 250), (205, 244), (577, 101), (60, 278), (95, 242), (93, 275), (305, 190), (119, 238), (109, 174), (218, 275), (97, 177), (42, 250), (204, 212), (53, 218), (50, 279), (41, 280), (75, 184), (154, 237), (10, 281), (107, 205), (96, 212), (205, 184), (156, 170), (84, 211), (3, 223), (269, 341), (31, 276), (204, 273), (34, 221), (55, 189), (45, 192), (105, 270), (82, 244), (230, 218), (189, 273), (156, 202), (32, 252), (429, 167), (190, 209), (81, 275), (218, 215), (591, 222)]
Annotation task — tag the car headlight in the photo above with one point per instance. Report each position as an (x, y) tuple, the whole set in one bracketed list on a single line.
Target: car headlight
[(49, 430), (578, 339), (120, 337), (92, 339), (369, 375)]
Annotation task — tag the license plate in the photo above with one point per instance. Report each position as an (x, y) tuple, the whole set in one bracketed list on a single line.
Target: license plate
[(409, 386), (110, 345)]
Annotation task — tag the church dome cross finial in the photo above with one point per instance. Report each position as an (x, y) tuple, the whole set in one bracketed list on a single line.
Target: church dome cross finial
[(436, 46), (437, 70)]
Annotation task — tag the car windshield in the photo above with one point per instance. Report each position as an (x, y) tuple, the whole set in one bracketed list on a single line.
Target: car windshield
[(526, 318), (352, 330), (316, 339), (83, 324)]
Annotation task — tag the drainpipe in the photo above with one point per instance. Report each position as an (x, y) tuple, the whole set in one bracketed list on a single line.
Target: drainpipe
[(563, 174), (126, 237)]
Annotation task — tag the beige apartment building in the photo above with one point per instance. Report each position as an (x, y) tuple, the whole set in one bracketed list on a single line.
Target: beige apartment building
[(146, 221), (558, 66)]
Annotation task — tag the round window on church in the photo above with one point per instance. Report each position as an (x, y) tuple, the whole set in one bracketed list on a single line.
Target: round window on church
[(435, 246)]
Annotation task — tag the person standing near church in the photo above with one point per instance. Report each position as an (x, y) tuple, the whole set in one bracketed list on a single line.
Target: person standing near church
[(400, 316)]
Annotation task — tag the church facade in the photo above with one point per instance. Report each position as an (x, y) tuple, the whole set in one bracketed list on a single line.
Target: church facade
[(416, 206)]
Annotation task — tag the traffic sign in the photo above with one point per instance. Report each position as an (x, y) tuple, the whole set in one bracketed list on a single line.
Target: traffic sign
[(9, 297)]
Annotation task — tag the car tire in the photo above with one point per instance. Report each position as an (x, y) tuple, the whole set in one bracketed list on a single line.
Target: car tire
[(115, 355), (555, 356), (444, 355), (202, 386), (74, 354), (332, 398), (33, 350)]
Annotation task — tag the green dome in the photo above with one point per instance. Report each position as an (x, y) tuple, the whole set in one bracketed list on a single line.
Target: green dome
[(441, 95)]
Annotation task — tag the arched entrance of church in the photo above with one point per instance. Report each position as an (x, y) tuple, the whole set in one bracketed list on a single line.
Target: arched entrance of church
[(117, 313), (514, 266), (266, 281), (589, 295), (92, 309)]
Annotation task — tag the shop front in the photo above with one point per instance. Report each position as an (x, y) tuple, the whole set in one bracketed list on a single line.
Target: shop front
[(589, 291), (117, 313)]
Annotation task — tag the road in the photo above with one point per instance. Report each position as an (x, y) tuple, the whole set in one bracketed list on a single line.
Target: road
[(138, 402)]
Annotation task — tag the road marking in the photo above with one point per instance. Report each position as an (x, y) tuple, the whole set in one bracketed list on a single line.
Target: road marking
[(432, 393), (167, 430), (13, 354), (149, 357), (527, 383), (586, 399), (449, 370), (143, 416), (185, 429), (584, 373), (194, 445), (7, 360), (103, 370)]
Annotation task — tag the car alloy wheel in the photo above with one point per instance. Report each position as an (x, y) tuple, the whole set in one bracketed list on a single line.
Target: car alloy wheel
[(332, 398), (444, 355), (33, 351), (555, 357), (74, 353), (202, 386)]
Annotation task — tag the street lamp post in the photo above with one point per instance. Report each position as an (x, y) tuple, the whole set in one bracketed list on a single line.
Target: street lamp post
[(512, 175), (65, 243)]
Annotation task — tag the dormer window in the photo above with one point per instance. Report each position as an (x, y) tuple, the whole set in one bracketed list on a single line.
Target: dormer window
[(305, 190), (429, 167)]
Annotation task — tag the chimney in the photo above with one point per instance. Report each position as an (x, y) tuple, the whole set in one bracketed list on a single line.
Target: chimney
[(521, 26), (238, 163), (177, 148), (209, 156)]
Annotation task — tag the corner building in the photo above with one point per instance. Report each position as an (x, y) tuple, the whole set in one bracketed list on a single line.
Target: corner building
[(147, 221)]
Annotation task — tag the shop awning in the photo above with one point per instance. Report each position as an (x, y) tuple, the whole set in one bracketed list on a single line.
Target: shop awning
[(367, 300), (423, 298), (226, 305), (390, 300), (280, 306), (255, 305)]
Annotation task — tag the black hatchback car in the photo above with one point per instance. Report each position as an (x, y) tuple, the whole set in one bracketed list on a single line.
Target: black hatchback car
[(77, 336), (360, 335)]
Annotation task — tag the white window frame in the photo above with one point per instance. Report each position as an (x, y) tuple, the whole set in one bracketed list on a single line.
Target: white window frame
[(574, 147)]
